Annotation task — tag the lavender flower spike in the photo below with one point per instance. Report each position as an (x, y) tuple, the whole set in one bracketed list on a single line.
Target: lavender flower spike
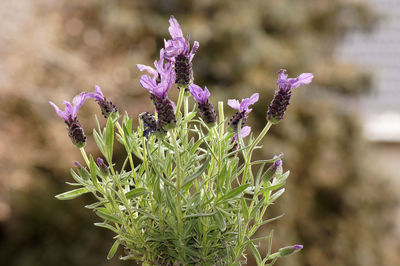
[(75, 130), (207, 111), (243, 110), (158, 85), (280, 102), (178, 51), (107, 107)]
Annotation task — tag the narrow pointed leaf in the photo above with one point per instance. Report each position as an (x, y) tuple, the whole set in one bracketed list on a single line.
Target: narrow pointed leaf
[(136, 192), (72, 194), (113, 249)]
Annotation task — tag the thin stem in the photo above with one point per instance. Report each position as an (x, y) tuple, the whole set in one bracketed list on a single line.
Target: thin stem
[(178, 187), (121, 131), (252, 146), (83, 152), (180, 99)]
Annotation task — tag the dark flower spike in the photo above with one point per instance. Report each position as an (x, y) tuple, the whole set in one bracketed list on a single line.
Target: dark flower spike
[(178, 51), (75, 130), (243, 110), (107, 107), (280, 102), (206, 110), (150, 124)]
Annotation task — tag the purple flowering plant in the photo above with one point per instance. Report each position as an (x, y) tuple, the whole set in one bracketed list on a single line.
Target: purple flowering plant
[(187, 192)]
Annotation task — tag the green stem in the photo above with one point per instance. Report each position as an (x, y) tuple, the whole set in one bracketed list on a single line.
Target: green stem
[(83, 152), (121, 131), (252, 146), (178, 188), (180, 99)]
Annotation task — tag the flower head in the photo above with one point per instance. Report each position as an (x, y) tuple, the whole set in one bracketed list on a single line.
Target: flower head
[(280, 102), (162, 77), (245, 104), (75, 130), (107, 107), (200, 95), (206, 110), (243, 110), (71, 110), (179, 45), (179, 53)]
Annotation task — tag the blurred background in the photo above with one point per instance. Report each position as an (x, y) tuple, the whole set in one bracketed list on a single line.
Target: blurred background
[(340, 137)]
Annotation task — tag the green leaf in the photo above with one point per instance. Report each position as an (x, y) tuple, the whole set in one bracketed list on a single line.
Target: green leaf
[(256, 254), (257, 207), (233, 193), (276, 195), (245, 209), (109, 138), (99, 142), (113, 249), (136, 192), (220, 219), (107, 226), (198, 173), (93, 171), (104, 213), (72, 194)]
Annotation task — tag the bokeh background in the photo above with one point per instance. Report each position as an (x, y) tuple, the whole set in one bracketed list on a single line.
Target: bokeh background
[(340, 137)]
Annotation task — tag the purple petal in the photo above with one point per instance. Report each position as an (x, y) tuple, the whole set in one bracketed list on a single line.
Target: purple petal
[(244, 106), (147, 82), (77, 102), (59, 112), (195, 90), (97, 95), (98, 90), (297, 247), (174, 28), (193, 51), (234, 104), (244, 132), (151, 70), (206, 94), (68, 109), (303, 79)]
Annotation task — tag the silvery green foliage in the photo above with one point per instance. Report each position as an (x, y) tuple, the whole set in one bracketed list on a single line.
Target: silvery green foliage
[(193, 199)]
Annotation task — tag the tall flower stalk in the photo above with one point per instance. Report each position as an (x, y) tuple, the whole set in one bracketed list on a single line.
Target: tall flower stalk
[(192, 198)]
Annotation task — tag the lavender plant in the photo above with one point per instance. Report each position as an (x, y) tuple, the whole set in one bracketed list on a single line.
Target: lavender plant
[(194, 198)]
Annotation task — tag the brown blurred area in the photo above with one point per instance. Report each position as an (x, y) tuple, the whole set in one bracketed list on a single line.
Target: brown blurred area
[(337, 203)]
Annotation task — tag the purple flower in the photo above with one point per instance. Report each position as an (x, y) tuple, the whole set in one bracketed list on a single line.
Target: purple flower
[(206, 110), (158, 85), (75, 130), (244, 132), (162, 77), (178, 51), (179, 45), (280, 102), (107, 107), (243, 110)]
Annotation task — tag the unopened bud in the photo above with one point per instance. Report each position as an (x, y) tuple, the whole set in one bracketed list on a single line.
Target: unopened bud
[(286, 251), (274, 170), (102, 166)]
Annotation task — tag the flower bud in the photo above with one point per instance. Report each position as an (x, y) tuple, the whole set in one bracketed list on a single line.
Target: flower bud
[(286, 251), (274, 170), (149, 123), (102, 166)]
